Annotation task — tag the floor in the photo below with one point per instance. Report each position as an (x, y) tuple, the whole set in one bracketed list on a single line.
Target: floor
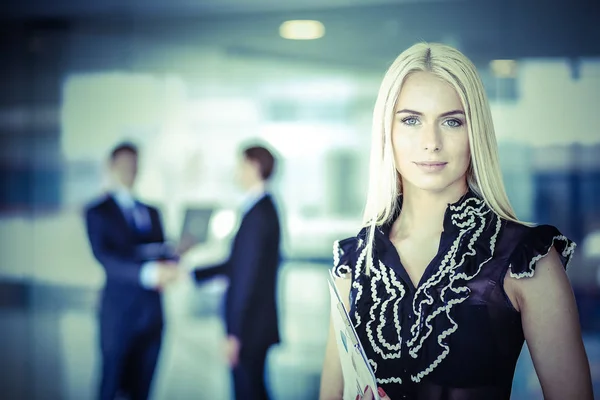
[(48, 346)]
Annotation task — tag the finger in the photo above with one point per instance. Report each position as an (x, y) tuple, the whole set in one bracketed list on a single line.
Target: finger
[(382, 394), (233, 361), (368, 394)]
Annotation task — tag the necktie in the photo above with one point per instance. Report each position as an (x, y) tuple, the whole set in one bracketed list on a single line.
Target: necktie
[(141, 218)]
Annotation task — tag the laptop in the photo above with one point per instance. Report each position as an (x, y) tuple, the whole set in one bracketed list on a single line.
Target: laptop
[(194, 231)]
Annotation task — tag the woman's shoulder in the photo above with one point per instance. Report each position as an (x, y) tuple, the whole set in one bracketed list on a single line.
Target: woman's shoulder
[(529, 243), (346, 253)]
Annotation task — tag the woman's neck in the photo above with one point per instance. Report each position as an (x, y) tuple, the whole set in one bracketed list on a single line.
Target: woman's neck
[(423, 210)]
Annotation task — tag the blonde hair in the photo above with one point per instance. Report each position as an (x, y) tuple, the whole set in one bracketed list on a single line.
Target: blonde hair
[(483, 176)]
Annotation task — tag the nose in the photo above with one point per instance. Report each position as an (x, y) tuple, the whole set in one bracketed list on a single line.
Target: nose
[(431, 138)]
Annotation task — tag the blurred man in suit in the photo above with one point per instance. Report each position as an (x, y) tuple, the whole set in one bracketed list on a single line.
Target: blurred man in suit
[(122, 231), (250, 306)]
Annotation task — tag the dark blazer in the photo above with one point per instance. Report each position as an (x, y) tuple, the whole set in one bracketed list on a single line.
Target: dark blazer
[(114, 243), (250, 302)]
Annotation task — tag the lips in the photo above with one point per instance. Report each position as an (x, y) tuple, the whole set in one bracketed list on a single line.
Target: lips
[(431, 163), (431, 166)]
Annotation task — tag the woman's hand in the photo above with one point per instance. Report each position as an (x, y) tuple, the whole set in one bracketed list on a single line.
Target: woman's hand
[(232, 350), (369, 394)]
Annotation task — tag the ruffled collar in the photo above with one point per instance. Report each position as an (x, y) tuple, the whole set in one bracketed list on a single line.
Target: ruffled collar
[(449, 214)]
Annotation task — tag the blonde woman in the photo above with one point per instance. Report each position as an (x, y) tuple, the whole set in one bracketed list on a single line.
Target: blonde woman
[(443, 283)]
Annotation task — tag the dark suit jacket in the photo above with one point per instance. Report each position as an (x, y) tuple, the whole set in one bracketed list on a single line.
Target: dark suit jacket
[(114, 242), (250, 303)]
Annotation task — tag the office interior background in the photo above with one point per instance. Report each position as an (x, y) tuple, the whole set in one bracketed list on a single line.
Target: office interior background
[(189, 82)]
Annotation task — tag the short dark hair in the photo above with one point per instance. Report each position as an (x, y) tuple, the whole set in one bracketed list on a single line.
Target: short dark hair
[(124, 147), (263, 157)]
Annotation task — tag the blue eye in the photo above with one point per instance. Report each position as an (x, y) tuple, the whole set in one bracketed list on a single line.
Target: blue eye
[(410, 121), (453, 123)]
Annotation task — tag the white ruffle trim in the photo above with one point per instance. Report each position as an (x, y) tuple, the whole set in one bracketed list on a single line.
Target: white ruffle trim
[(339, 270), (358, 286), (567, 253), (475, 219), (389, 380), (394, 293)]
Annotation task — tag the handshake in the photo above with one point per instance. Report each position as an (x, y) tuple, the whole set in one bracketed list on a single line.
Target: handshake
[(167, 272), (162, 265)]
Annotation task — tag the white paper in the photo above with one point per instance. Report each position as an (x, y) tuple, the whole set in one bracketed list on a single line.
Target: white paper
[(355, 365)]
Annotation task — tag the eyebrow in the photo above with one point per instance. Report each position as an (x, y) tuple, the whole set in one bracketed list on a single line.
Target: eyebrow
[(453, 112)]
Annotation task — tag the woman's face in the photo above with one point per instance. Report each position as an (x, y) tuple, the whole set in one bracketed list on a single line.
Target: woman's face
[(429, 135), (248, 173)]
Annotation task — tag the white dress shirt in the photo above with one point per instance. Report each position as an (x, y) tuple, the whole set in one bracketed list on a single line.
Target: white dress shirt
[(252, 196)]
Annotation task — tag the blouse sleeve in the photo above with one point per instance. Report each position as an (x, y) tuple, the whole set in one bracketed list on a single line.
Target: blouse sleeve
[(536, 244), (344, 257)]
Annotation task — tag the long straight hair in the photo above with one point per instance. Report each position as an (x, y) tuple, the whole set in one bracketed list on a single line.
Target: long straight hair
[(483, 175)]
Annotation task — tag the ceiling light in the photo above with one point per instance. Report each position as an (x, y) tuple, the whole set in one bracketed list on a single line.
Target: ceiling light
[(504, 68), (302, 30)]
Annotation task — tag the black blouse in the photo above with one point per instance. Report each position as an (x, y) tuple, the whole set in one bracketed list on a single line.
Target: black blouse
[(456, 335)]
